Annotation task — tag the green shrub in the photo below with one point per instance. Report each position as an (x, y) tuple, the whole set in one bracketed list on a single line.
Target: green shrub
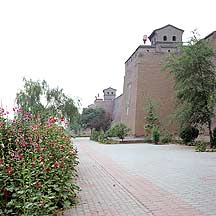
[(201, 146), (102, 138), (98, 136), (94, 135), (37, 166), (119, 130), (214, 138), (189, 134), (155, 135), (151, 117), (166, 137)]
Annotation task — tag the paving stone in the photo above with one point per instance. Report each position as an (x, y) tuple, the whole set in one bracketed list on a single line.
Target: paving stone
[(144, 180)]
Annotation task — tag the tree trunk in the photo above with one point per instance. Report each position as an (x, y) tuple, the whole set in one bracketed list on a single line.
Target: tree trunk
[(210, 134)]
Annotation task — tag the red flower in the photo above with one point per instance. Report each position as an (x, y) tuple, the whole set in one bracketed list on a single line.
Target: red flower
[(61, 165), (5, 192), (19, 156), (51, 120), (63, 159), (39, 150), (9, 170), (33, 163), (56, 165), (41, 159), (23, 144), (1, 161), (37, 185)]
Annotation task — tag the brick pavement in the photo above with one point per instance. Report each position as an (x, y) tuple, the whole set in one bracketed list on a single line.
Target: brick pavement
[(109, 189)]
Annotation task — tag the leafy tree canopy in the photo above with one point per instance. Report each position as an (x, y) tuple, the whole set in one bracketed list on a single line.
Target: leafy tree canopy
[(38, 98), (96, 118), (195, 83)]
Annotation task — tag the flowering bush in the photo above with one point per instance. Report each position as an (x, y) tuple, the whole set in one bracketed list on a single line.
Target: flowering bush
[(37, 166)]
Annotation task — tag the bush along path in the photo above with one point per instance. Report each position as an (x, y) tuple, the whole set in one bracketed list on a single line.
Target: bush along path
[(37, 166)]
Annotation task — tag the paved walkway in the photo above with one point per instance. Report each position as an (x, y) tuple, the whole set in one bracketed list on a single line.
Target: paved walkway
[(125, 180)]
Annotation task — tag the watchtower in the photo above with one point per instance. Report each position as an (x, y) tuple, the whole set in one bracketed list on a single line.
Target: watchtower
[(109, 93)]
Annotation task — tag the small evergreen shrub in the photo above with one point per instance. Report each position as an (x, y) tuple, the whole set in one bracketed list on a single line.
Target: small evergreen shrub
[(94, 135), (189, 134), (155, 135), (201, 146), (214, 138), (119, 130), (166, 137), (151, 117), (102, 138)]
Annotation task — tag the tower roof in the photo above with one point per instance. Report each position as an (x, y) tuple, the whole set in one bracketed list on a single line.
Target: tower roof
[(109, 89), (153, 33)]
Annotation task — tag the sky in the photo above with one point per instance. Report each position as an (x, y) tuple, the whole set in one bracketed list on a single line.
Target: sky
[(81, 46)]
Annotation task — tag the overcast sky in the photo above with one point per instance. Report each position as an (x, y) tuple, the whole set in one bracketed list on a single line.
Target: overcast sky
[(81, 45)]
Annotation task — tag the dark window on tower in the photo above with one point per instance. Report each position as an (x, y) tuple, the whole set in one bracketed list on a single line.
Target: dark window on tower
[(112, 92), (174, 38), (165, 38), (107, 92)]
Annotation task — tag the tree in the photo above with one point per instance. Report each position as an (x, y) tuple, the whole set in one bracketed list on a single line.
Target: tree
[(76, 124), (119, 130), (96, 118), (195, 83), (152, 118), (42, 101)]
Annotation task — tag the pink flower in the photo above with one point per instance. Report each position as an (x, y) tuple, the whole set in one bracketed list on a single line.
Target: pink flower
[(56, 165), (51, 120), (37, 185), (41, 159), (9, 170), (19, 156), (39, 150), (33, 163), (23, 144)]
